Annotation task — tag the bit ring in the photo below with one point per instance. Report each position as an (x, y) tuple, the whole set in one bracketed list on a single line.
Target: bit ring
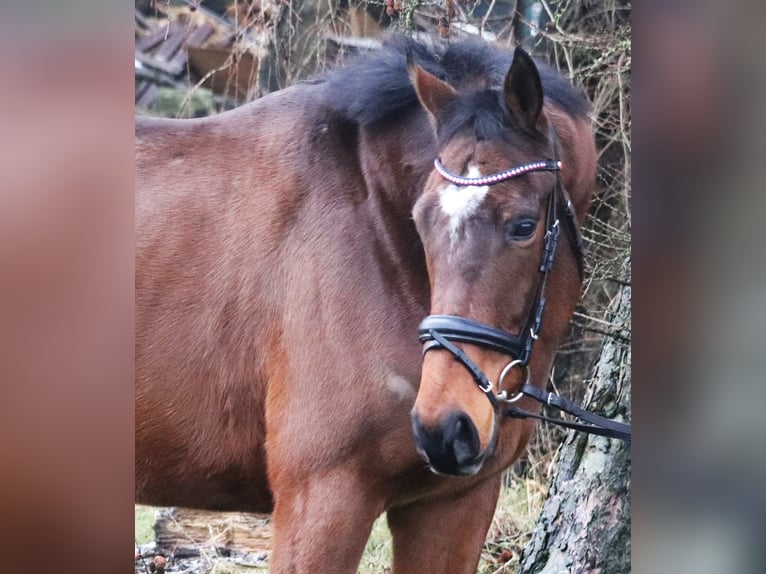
[(503, 395)]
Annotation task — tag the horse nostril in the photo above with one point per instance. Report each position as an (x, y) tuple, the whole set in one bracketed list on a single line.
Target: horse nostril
[(464, 439), (451, 447)]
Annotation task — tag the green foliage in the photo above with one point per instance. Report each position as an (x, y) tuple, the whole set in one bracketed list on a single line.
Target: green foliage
[(379, 550), (173, 103), (145, 518)]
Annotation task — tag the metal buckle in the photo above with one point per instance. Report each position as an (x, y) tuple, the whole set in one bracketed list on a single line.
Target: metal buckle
[(552, 230), (488, 388)]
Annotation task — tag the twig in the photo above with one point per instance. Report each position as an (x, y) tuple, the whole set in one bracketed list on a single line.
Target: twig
[(187, 98)]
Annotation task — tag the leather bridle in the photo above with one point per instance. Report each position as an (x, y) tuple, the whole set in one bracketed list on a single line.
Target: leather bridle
[(442, 331)]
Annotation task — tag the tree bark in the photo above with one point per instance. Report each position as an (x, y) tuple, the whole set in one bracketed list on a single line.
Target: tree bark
[(584, 526)]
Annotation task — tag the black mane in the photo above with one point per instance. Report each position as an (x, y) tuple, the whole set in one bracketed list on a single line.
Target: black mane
[(376, 85)]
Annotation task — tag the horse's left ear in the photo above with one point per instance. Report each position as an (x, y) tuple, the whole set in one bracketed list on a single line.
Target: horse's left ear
[(523, 92), (433, 93)]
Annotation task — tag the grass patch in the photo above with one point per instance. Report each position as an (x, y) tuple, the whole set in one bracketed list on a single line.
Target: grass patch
[(379, 550), (145, 518)]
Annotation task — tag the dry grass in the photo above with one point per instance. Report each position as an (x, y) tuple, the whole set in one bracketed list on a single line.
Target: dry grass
[(515, 516)]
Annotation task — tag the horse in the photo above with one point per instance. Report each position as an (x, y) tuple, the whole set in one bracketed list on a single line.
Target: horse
[(332, 280)]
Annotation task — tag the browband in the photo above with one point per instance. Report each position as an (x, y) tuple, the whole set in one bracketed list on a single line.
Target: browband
[(499, 176)]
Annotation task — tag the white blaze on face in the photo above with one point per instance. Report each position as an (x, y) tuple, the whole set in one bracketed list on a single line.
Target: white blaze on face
[(461, 202)]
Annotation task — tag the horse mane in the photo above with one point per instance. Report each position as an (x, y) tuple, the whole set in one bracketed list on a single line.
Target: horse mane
[(376, 84)]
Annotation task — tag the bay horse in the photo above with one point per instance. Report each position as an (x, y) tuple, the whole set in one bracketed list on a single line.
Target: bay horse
[(287, 252)]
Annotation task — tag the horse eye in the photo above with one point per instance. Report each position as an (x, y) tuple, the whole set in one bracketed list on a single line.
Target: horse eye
[(523, 229)]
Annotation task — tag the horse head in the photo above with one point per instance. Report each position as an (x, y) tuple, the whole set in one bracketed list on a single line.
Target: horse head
[(485, 218)]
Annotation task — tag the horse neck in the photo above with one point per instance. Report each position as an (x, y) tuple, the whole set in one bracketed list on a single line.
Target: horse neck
[(396, 158)]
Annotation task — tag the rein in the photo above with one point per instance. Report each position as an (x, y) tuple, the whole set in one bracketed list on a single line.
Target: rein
[(440, 331)]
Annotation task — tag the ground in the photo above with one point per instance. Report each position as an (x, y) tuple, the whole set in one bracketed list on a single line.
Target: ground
[(517, 510)]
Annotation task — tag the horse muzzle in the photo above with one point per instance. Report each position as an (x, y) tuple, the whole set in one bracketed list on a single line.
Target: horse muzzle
[(452, 446)]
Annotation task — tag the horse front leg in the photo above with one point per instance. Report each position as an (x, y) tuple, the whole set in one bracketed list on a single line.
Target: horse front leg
[(322, 523), (443, 535)]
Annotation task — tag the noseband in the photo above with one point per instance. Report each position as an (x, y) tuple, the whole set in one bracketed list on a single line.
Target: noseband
[(442, 331)]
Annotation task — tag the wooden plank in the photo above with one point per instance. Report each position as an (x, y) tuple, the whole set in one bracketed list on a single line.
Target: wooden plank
[(234, 79), (200, 34), (156, 64), (140, 89), (147, 96), (173, 43), (184, 532), (353, 42), (196, 37), (151, 39), (142, 21)]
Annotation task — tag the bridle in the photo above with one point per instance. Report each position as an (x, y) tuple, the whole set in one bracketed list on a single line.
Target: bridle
[(442, 331)]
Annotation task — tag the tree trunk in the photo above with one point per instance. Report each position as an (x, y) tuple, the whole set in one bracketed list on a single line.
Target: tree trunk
[(585, 523)]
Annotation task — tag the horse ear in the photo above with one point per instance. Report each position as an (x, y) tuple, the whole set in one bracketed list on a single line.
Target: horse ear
[(433, 93), (523, 92)]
